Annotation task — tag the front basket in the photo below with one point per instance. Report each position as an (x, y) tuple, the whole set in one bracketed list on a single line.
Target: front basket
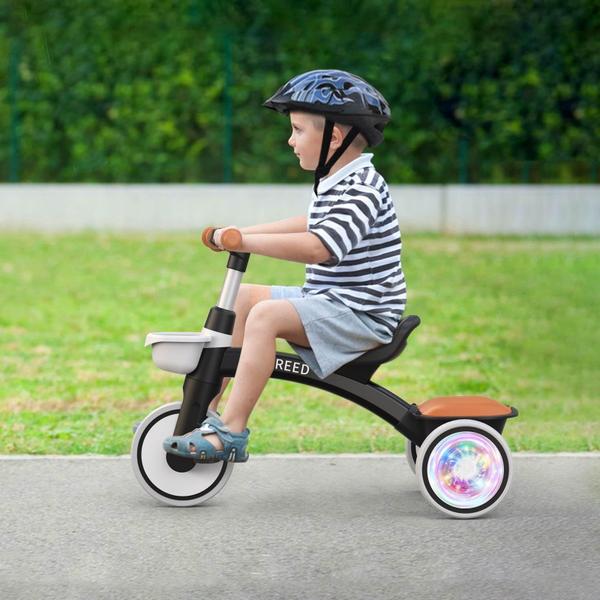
[(177, 351)]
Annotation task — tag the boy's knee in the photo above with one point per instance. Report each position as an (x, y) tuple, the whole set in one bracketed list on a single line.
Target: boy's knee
[(260, 317)]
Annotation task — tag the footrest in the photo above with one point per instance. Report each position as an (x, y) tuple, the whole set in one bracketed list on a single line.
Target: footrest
[(464, 406)]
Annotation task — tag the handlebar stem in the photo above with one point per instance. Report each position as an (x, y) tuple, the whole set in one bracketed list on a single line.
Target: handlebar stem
[(231, 287), (236, 267)]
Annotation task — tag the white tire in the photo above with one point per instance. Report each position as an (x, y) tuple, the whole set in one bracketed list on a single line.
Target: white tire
[(149, 461), (464, 468)]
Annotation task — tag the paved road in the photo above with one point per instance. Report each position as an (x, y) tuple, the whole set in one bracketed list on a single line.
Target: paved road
[(326, 527)]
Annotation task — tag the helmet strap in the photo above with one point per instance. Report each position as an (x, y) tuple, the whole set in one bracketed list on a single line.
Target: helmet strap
[(324, 167)]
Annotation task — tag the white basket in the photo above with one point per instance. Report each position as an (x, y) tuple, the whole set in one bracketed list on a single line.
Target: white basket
[(177, 351)]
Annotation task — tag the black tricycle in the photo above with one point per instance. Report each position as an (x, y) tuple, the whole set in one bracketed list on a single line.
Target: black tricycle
[(454, 443)]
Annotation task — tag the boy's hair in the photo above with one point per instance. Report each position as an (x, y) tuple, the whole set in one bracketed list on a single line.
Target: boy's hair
[(358, 143)]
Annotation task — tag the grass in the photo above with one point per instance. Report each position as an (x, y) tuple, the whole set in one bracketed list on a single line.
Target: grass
[(512, 318)]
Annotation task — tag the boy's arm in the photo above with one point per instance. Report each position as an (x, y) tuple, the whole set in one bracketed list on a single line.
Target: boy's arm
[(291, 225), (302, 247)]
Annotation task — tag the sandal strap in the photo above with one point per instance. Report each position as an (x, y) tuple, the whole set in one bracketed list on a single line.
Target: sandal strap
[(212, 425)]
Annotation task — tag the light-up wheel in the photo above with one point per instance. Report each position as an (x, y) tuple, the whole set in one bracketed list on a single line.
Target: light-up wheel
[(464, 468), (188, 484), (411, 449)]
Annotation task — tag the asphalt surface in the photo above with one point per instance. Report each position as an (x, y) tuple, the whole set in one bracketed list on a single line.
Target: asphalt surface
[(330, 527)]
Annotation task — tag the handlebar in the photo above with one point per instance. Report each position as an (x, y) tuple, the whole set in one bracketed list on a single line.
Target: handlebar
[(230, 240)]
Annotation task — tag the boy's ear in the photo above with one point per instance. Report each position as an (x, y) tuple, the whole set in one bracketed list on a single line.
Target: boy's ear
[(337, 135)]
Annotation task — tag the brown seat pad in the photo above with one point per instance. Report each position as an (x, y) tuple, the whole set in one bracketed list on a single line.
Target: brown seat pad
[(464, 406)]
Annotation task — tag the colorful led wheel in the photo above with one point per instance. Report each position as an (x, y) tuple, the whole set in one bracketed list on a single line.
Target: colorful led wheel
[(168, 478), (464, 468), (411, 450)]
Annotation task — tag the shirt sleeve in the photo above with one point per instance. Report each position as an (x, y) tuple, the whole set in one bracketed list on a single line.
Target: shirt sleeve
[(347, 222)]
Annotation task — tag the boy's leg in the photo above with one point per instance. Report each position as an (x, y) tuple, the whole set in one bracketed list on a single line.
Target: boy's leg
[(266, 321), (248, 296)]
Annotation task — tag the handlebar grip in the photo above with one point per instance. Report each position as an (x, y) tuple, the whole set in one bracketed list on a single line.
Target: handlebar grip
[(231, 239), (207, 239)]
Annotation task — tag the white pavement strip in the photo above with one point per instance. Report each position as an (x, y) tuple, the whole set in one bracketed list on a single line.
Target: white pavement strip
[(306, 456)]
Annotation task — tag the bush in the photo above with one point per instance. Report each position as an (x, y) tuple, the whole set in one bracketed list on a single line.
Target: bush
[(159, 91)]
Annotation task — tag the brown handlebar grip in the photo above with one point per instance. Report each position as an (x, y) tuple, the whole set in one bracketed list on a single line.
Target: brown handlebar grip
[(207, 239), (231, 239)]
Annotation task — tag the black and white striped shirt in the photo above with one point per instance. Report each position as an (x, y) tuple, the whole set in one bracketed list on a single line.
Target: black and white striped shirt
[(354, 216)]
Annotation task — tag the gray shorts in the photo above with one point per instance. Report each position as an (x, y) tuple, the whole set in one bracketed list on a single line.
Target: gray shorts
[(337, 334)]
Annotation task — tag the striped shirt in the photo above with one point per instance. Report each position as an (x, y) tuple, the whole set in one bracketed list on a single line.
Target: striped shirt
[(355, 219)]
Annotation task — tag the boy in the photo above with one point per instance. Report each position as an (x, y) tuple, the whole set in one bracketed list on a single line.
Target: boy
[(354, 292)]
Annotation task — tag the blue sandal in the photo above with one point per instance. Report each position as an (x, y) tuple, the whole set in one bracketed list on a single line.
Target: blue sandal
[(234, 444)]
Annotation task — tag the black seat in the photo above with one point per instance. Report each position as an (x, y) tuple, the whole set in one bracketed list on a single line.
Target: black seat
[(362, 368)]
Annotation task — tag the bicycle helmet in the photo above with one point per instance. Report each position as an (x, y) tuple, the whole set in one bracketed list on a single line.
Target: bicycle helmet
[(340, 97)]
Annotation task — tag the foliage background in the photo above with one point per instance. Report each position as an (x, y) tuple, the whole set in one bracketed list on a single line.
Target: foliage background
[(171, 91)]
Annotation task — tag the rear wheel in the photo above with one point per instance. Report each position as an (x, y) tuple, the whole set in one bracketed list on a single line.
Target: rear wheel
[(171, 479), (464, 468)]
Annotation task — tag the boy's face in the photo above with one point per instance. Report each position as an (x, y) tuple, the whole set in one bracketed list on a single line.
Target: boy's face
[(305, 140)]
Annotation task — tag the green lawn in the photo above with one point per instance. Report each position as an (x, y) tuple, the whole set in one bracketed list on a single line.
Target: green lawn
[(512, 318)]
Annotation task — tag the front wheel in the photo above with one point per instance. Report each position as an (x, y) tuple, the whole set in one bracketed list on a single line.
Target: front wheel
[(168, 478), (464, 468)]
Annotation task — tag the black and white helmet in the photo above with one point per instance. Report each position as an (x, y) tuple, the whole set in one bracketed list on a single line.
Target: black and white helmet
[(345, 97), (340, 97)]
